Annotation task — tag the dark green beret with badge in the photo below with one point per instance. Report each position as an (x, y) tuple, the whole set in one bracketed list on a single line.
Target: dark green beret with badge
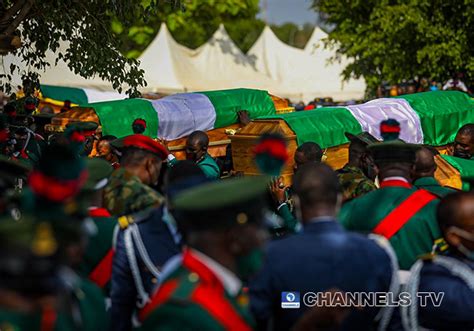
[(84, 128), (221, 204)]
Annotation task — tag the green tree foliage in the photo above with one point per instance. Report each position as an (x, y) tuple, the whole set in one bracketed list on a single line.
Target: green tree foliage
[(392, 40), (292, 34), (40, 25), (193, 26)]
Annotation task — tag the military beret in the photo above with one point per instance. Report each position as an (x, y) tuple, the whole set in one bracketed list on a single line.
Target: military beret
[(99, 172), (363, 137), (140, 121), (141, 142), (59, 174), (221, 204), (84, 128)]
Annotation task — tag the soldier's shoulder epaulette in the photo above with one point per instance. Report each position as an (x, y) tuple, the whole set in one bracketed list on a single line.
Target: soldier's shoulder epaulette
[(126, 220), (427, 257)]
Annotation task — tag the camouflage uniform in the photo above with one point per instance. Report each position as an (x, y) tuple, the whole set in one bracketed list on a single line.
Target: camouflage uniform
[(354, 183), (126, 194)]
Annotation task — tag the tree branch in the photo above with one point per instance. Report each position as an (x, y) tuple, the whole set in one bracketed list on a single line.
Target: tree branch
[(10, 12), (19, 18)]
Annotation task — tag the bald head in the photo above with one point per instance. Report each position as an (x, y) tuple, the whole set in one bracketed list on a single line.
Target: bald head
[(425, 165), (317, 187)]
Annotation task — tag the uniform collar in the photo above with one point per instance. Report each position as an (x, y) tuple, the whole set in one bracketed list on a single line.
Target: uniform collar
[(322, 225), (395, 181), (98, 212), (426, 181), (229, 280)]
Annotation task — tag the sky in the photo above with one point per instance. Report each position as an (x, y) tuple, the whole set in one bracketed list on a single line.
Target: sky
[(281, 11)]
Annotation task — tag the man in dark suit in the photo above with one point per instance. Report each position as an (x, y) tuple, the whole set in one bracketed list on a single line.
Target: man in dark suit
[(322, 257)]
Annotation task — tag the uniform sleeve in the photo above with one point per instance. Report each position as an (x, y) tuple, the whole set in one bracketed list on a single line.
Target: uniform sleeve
[(123, 292), (345, 215), (263, 293), (456, 310), (289, 219), (209, 170)]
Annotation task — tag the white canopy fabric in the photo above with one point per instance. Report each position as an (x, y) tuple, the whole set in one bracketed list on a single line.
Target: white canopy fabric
[(218, 64), (56, 74), (165, 63), (301, 74)]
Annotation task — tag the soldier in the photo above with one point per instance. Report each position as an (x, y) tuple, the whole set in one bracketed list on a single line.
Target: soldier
[(450, 277), (53, 185), (145, 242), (139, 126), (27, 148), (463, 145), (105, 151), (96, 263), (308, 152), (82, 136), (425, 168), (397, 211), (352, 176), (202, 290), (341, 259), (197, 144), (129, 188)]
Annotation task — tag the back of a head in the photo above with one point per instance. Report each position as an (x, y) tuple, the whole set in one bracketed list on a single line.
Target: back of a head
[(467, 129), (425, 165), (316, 184), (311, 150), (199, 137), (132, 156), (456, 209)]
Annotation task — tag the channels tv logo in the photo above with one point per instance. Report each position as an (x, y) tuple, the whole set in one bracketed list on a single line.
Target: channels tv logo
[(290, 300)]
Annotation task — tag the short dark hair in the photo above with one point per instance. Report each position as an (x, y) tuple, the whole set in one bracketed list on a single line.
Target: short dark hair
[(132, 156), (449, 212), (200, 137), (316, 184), (108, 138), (311, 151), (467, 129)]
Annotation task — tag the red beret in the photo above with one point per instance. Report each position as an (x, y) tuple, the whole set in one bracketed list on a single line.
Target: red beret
[(140, 121), (146, 143)]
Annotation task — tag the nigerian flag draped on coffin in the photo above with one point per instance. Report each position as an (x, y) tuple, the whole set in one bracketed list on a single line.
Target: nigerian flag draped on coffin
[(178, 115), (425, 118)]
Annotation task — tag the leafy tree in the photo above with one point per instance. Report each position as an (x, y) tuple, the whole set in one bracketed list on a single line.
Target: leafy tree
[(191, 27), (40, 25), (293, 35), (392, 40)]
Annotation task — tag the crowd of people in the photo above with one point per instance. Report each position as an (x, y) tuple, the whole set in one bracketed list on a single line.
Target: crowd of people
[(107, 233)]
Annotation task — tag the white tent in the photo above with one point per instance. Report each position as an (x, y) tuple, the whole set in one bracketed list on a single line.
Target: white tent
[(165, 63), (331, 71), (301, 76), (220, 64)]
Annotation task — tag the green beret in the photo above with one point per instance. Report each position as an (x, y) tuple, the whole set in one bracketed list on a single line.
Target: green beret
[(99, 172), (363, 137), (221, 204), (85, 128)]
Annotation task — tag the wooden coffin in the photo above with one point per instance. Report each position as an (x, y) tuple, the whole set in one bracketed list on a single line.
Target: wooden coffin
[(245, 140)]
